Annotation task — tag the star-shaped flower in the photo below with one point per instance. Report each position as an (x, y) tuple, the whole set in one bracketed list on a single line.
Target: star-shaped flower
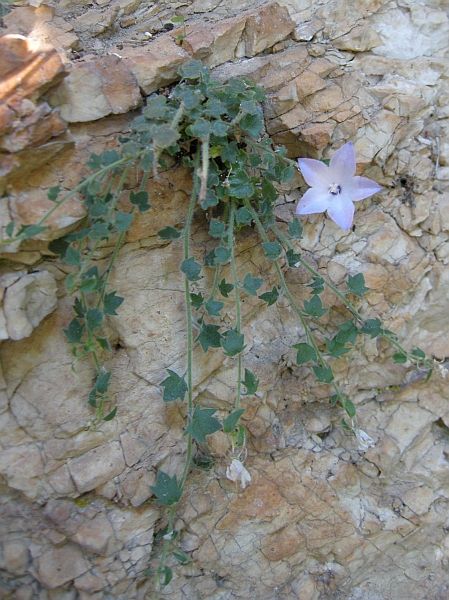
[(334, 188)]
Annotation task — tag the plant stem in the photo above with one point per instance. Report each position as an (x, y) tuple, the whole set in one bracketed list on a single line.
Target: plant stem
[(385, 334), (292, 301), (237, 301)]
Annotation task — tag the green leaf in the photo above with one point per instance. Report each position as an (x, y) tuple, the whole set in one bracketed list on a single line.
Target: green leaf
[(10, 228), (169, 233), (357, 284), (292, 258), (230, 152), (348, 333), (29, 231), (111, 415), (156, 107), (219, 128), (243, 216), (349, 408), (336, 348), (213, 307), (225, 288), (314, 308), (230, 423), (199, 129), (75, 331), (209, 259), (251, 284), (202, 423), (178, 19), (399, 358), (174, 387), (146, 160), (252, 123), (182, 558), (270, 297), (109, 157), (197, 300), (139, 199), (104, 343), (343, 422), (418, 353), (94, 319), (254, 160), (111, 303), (269, 191), (305, 353), (164, 136), (99, 231), (272, 250), (233, 342), (209, 337), (317, 285), (240, 185), (216, 228), (210, 200), (166, 575), (372, 327), (123, 221), (191, 269), (72, 257), (94, 187), (250, 382), (323, 374), (294, 229), (102, 383), (192, 70), (222, 254), (287, 173), (53, 193), (167, 490), (241, 436)]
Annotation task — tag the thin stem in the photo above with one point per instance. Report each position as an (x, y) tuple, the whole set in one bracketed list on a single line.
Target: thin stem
[(385, 334), (292, 301), (189, 361), (237, 301)]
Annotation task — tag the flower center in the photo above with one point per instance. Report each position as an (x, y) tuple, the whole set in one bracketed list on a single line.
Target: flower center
[(334, 189)]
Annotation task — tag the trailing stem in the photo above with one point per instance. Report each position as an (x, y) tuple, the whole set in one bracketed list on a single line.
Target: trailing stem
[(237, 301)]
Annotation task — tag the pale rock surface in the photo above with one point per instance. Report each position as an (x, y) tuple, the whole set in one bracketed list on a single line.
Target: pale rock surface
[(321, 519)]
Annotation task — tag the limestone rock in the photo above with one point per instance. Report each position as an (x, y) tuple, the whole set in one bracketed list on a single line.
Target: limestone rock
[(97, 466), (61, 565), (26, 301), (95, 89)]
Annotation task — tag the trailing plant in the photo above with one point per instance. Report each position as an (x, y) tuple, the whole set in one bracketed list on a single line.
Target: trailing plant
[(215, 129)]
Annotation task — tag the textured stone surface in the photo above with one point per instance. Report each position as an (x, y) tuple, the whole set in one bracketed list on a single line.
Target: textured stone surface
[(321, 519)]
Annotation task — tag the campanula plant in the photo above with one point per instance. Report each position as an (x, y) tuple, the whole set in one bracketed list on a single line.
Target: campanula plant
[(216, 129)]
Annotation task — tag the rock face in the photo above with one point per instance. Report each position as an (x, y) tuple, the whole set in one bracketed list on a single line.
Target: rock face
[(321, 518)]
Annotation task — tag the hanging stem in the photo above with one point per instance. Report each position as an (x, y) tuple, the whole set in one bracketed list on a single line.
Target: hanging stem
[(385, 334), (292, 301), (237, 301)]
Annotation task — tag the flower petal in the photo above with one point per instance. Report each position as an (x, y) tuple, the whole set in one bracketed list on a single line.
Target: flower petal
[(315, 172), (313, 201), (342, 165), (341, 211), (362, 187)]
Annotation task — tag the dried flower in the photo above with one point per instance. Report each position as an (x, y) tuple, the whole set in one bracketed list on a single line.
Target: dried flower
[(334, 187), (237, 472), (364, 440)]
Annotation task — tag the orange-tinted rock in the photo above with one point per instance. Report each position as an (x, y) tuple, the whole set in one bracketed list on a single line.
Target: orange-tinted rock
[(35, 129), (44, 69), (14, 51), (265, 27)]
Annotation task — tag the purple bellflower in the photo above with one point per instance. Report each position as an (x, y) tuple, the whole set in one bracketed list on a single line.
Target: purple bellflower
[(334, 188)]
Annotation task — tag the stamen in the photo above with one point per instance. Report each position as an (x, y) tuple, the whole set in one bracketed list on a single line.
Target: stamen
[(334, 189)]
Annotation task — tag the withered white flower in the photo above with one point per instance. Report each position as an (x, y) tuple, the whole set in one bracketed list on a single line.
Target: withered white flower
[(334, 188), (237, 472), (364, 440)]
